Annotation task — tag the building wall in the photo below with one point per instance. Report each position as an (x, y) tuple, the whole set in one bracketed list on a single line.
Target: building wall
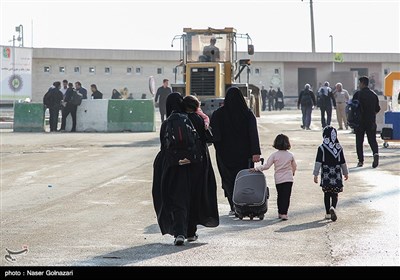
[(118, 78), (267, 68)]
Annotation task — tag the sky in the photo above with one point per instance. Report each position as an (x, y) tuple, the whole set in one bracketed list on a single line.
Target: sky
[(274, 25)]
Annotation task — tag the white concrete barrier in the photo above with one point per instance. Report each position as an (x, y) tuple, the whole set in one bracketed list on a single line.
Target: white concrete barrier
[(91, 116)]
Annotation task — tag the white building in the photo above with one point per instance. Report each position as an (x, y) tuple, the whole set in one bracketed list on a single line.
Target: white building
[(110, 69)]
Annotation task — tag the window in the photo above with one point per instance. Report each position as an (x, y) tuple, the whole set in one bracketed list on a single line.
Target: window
[(107, 70), (138, 70), (62, 69), (257, 71), (174, 71), (386, 71), (129, 70), (92, 70), (46, 69), (159, 71), (77, 69), (276, 71)]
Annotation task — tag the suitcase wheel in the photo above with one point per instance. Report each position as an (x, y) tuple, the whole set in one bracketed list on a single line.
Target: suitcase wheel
[(251, 217), (385, 144), (261, 217)]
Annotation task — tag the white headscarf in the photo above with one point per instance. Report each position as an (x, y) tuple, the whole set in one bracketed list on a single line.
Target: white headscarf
[(330, 142)]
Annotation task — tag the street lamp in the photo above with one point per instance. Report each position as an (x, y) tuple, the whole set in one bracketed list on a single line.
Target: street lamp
[(312, 27), (20, 30), (333, 56)]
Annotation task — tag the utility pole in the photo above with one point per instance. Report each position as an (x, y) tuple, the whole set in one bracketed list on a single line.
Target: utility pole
[(20, 30), (312, 27), (333, 56)]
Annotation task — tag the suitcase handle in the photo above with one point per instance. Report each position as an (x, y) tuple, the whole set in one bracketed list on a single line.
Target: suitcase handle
[(250, 161)]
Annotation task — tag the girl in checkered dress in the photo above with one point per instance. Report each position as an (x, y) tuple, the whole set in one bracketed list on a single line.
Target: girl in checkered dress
[(330, 160)]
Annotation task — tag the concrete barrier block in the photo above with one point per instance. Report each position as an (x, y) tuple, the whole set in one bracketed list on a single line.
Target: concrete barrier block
[(29, 117), (131, 115), (91, 116)]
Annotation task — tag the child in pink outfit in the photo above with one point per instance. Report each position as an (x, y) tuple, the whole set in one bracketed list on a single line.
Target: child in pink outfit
[(285, 167), (194, 105), (204, 116)]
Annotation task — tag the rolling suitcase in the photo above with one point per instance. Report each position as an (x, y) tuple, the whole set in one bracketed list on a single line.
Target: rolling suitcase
[(250, 194)]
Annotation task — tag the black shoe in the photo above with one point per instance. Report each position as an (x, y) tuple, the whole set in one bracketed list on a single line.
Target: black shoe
[(307, 128), (375, 163), (333, 214), (302, 126), (360, 164), (179, 240)]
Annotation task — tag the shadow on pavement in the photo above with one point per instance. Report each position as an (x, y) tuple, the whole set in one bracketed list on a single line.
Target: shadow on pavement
[(368, 165), (148, 143), (130, 256), (152, 229), (303, 226)]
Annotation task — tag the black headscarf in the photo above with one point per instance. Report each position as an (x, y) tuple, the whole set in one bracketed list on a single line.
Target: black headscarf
[(331, 142), (174, 103), (238, 112)]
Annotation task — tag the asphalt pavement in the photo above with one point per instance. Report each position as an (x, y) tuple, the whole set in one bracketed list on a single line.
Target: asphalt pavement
[(84, 199)]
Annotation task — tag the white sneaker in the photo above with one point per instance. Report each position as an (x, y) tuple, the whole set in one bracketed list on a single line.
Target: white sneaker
[(179, 240), (333, 214), (192, 238), (284, 217), (327, 216)]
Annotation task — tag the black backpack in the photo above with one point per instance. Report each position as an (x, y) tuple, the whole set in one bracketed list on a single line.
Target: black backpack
[(181, 139), (76, 98), (353, 113)]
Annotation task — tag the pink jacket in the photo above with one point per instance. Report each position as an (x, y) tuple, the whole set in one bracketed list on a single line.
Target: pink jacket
[(285, 166)]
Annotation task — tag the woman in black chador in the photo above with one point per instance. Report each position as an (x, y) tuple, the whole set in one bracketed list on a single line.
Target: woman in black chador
[(184, 196), (236, 141)]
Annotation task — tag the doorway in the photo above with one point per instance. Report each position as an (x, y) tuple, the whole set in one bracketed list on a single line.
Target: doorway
[(307, 76)]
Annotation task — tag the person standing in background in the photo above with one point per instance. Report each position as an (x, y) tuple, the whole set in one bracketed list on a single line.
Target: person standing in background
[(53, 102), (161, 98), (95, 93), (264, 94), (341, 97), (64, 87), (81, 90), (271, 98), (279, 103), (69, 108)]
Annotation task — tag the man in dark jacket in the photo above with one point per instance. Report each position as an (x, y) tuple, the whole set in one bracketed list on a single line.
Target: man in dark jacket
[(69, 108), (52, 100), (264, 94), (307, 102), (369, 104), (325, 101), (95, 93), (81, 90), (161, 97)]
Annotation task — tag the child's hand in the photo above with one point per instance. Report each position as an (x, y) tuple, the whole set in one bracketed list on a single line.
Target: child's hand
[(252, 170), (316, 179), (346, 177)]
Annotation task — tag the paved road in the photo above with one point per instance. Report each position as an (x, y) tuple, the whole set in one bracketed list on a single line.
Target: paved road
[(85, 199)]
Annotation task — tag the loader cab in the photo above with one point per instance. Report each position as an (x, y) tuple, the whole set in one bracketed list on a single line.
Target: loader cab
[(209, 65)]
